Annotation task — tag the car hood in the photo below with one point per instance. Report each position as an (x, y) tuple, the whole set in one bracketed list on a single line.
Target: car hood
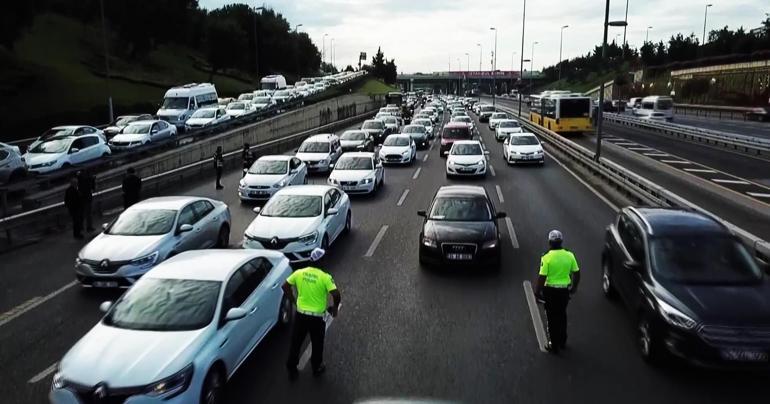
[(351, 143), (170, 112), (41, 158), (120, 248), (351, 175), (394, 149), (733, 305), (282, 227), (263, 179), (525, 148), (465, 159), (312, 156), (418, 135), (113, 129), (509, 130), (130, 137), (447, 231), (129, 358), (199, 121), (373, 131), (236, 112)]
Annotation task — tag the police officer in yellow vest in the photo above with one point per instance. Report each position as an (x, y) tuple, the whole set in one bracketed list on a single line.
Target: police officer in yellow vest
[(313, 287), (558, 279)]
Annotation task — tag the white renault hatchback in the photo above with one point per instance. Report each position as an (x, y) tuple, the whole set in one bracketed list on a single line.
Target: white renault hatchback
[(269, 174), (180, 332), (358, 172), (466, 158), (298, 219)]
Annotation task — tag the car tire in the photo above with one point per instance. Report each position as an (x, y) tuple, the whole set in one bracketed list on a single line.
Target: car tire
[(325, 243), (213, 389), (608, 288), (285, 312), (223, 237), (348, 223), (304, 180), (649, 345)]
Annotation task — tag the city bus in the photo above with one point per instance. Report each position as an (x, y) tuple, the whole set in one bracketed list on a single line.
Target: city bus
[(656, 103), (562, 112), (394, 97)]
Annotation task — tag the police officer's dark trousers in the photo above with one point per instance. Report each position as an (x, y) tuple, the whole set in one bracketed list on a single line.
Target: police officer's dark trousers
[(316, 327), (219, 177), (556, 300)]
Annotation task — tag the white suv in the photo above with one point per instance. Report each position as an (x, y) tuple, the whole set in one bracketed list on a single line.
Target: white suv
[(319, 152)]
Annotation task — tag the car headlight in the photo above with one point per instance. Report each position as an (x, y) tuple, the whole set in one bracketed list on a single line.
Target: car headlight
[(480, 163), (539, 151), (324, 161), (367, 180), (333, 181), (242, 184), (489, 244), (429, 242), (309, 238), (172, 385), (280, 184), (145, 261), (78, 261), (675, 317), (58, 382), (405, 152), (48, 164)]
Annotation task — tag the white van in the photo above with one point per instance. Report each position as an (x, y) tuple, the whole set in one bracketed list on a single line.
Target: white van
[(179, 103), (273, 82), (634, 103), (660, 104)]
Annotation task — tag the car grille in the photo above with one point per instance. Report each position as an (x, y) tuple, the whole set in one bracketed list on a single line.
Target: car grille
[(348, 183), (34, 166), (104, 266), (735, 336), (259, 187), (279, 243), (393, 157), (527, 153), (87, 395), (311, 163), (457, 248)]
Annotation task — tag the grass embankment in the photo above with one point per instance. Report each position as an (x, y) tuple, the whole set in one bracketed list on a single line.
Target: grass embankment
[(55, 75), (376, 87)]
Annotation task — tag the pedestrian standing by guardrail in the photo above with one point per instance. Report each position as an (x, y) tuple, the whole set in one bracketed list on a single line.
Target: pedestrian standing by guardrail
[(219, 166), (248, 158), (87, 186), (73, 200), (132, 188)]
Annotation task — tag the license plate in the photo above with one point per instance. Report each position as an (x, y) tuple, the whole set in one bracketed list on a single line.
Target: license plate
[(744, 355), (459, 257), (466, 170), (348, 188), (105, 284), (258, 193)]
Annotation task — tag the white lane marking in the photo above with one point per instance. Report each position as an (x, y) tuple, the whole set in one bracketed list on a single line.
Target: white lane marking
[(657, 154), (42, 375), (626, 144), (305, 358), (511, 232), (699, 170), (640, 148), (758, 194), (537, 321), (417, 173), (723, 181), (587, 185), (492, 170), (376, 241), (30, 304), (425, 157), (403, 196), (676, 161), (499, 194)]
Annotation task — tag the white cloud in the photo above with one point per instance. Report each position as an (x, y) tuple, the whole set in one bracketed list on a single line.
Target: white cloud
[(428, 35)]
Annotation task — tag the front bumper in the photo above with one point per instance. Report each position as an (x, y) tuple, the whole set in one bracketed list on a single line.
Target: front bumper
[(295, 251), (115, 274), (526, 159), (125, 146), (422, 143), (256, 194), (317, 167), (394, 159), (82, 395), (482, 258), (466, 171), (354, 187), (690, 347)]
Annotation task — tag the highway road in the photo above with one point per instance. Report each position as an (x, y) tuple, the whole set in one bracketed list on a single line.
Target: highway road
[(747, 128), (403, 330)]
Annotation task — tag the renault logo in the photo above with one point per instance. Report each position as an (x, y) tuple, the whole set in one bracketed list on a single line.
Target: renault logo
[(104, 263), (274, 241), (101, 392)]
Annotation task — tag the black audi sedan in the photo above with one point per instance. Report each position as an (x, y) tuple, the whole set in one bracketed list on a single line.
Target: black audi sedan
[(693, 289), (460, 228)]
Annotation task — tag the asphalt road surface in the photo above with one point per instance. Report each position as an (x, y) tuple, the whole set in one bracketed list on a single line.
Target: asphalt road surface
[(403, 330)]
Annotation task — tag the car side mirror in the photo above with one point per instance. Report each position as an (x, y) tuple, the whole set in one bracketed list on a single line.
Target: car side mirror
[(331, 212), (486, 151), (185, 228), (257, 209), (505, 141), (293, 171), (105, 306), (331, 165), (632, 265), (236, 313), (422, 213), (105, 226), (74, 150), (501, 215)]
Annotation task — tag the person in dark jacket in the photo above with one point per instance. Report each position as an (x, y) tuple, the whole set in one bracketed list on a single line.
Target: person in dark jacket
[(73, 201), (87, 186), (219, 166), (248, 158), (132, 188)]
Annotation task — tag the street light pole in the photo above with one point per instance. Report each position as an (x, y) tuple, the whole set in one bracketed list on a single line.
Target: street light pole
[(481, 52), (623, 52), (599, 113), (705, 17), (532, 64), (323, 51), (647, 37), (106, 61), (561, 40), (256, 46), (521, 66), (331, 51), (494, 68)]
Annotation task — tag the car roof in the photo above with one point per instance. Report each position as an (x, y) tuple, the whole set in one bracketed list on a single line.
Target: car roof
[(461, 190), (671, 221), (523, 134), (316, 190), (358, 154), (509, 120), (70, 127), (404, 135), (455, 125), (456, 142), (412, 125), (323, 137), (276, 157), (144, 121), (208, 265), (166, 202)]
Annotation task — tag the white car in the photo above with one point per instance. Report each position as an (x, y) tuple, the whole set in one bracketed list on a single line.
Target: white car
[(495, 118), (319, 152), (65, 151), (523, 148), (358, 172), (12, 166), (69, 130), (262, 102), (427, 124), (465, 119), (269, 174), (207, 116), (654, 116), (180, 333), (238, 108), (141, 133), (298, 219), (505, 127), (466, 158), (392, 123), (398, 149)]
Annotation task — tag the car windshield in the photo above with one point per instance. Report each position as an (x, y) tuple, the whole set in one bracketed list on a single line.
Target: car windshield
[(353, 136), (354, 163), (414, 129), (125, 120), (465, 119), (143, 222), (455, 133), (137, 128), (4, 154), (390, 120), (261, 100), (466, 149), (314, 147), (373, 125), (463, 209), (396, 141), (204, 113), (175, 103), (282, 93), (269, 167), (236, 105), (499, 116), (245, 97), (52, 146), (508, 124), (423, 122), (57, 132), (166, 305), (487, 108), (293, 206), (721, 260), (523, 141)]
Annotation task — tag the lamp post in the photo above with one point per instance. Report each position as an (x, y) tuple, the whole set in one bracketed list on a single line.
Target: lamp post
[(521, 68), (494, 67), (647, 37), (256, 45), (623, 51), (599, 113), (296, 27), (705, 18), (106, 60), (479, 83), (561, 41), (331, 51), (296, 55), (532, 65), (323, 51)]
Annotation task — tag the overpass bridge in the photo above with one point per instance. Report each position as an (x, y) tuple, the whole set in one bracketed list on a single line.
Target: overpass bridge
[(457, 82)]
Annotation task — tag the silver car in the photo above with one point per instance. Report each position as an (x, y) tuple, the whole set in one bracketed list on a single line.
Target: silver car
[(12, 165), (148, 233)]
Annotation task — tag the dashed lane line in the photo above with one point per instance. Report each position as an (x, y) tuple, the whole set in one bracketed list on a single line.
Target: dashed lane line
[(377, 240), (657, 154), (534, 312), (758, 194), (724, 181), (425, 157), (417, 173), (700, 170), (403, 197), (676, 161), (30, 304), (43, 374), (492, 170), (499, 194), (512, 233)]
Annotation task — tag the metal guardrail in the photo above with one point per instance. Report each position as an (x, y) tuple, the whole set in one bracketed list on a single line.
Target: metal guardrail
[(634, 184), (715, 111), (745, 144)]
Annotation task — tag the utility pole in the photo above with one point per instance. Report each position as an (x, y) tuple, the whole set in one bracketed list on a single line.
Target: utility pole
[(561, 40), (331, 50), (532, 65), (480, 55), (647, 37), (521, 68), (705, 18), (599, 113), (494, 68), (106, 62), (256, 47), (623, 51), (323, 53)]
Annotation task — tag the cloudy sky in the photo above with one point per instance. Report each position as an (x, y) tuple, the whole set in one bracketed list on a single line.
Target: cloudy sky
[(429, 35)]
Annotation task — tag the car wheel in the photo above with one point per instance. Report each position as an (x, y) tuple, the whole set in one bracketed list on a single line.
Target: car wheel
[(649, 346), (325, 243), (607, 286), (285, 311), (213, 387), (304, 180), (223, 238), (348, 223)]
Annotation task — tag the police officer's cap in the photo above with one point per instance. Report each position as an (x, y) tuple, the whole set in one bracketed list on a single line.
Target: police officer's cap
[(555, 235)]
